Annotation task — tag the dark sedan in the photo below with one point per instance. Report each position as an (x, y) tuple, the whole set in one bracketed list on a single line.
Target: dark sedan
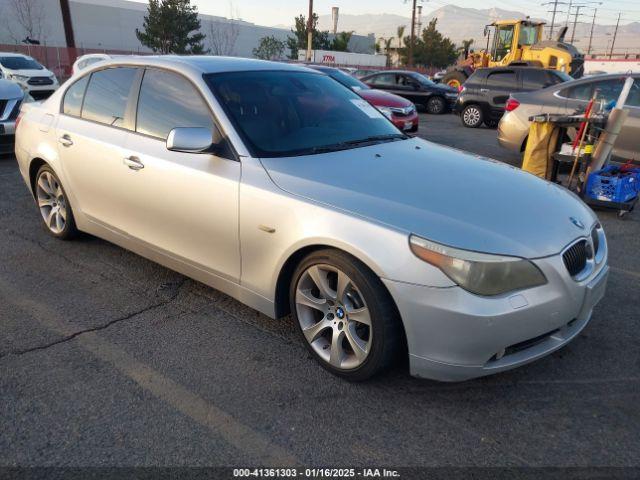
[(417, 88)]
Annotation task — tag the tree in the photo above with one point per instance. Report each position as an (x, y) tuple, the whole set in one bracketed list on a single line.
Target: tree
[(299, 40), (431, 49), (25, 20), (340, 42), (224, 35), (401, 29), (269, 48), (466, 46), (169, 25), (387, 47)]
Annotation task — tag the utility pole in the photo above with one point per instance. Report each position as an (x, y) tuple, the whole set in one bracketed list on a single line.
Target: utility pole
[(413, 32), (67, 23), (575, 21), (568, 13), (593, 23), (555, 4), (310, 31), (614, 36)]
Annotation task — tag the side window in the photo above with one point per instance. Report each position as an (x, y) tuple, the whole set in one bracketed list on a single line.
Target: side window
[(554, 78), (609, 89), (388, 79), (107, 96), (167, 101), (633, 99), (72, 103), (578, 92), (534, 79), (503, 79)]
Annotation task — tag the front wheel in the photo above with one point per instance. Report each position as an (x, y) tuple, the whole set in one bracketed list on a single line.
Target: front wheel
[(53, 204), (472, 116), (347, 319), (436, 105)]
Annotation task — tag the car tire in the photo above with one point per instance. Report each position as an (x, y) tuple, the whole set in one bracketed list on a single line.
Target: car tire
[(491, 123), (352, 330), (53, 204), (472, 116), (436, 105)]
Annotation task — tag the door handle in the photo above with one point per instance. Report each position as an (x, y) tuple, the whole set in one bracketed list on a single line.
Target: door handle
[(484, 90), (65, 140), (133, 163)]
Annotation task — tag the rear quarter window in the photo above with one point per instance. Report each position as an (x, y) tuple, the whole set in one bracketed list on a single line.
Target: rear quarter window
[(73, 97)]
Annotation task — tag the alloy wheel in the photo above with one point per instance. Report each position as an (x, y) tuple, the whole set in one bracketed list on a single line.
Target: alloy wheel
[(51, 202), (472, 116), (435, 106), (333, 316)]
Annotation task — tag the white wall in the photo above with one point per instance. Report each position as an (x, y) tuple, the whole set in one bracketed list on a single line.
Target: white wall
[(111, 25)]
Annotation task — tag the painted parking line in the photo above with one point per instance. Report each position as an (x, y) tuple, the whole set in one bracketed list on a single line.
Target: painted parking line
[(257, 446)]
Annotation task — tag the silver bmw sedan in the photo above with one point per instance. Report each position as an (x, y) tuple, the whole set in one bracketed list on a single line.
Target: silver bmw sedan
[(284, 189)]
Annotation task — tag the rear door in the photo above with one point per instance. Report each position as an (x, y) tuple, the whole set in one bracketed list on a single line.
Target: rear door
[(92, 130), (499, 84)]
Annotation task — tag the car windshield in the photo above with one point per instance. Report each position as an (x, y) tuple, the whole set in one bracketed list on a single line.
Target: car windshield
[(288, 113), (347, 80), (20, 63)]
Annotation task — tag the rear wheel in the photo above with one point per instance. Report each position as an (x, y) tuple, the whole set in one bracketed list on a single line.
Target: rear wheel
[(346, 317), (472, 116), (491, 123), (53, 204), (436, 105)]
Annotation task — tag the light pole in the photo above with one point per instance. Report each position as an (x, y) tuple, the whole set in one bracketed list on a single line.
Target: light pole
[(593, 23), (615, 33)]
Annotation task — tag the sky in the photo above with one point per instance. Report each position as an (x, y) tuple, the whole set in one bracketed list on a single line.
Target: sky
[(282, 12)]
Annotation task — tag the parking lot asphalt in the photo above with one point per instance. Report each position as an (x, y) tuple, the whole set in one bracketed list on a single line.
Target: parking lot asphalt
[(107, 359)]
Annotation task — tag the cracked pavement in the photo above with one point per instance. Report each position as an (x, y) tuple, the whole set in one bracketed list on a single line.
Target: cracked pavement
[(107, 359)]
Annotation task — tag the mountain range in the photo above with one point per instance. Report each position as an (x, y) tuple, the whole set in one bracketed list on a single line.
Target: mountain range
[(460, 23)]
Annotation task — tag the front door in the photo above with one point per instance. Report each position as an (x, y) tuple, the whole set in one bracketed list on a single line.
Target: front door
[(184, 205)]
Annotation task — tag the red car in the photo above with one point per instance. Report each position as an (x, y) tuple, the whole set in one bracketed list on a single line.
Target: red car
[(397, 109)]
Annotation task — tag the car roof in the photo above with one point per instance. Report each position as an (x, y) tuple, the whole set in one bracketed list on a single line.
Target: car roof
[(13, 54), (205, 63)]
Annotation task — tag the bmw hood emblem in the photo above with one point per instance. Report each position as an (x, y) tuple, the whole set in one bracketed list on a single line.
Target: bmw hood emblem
[(340, 313), (577, 222)]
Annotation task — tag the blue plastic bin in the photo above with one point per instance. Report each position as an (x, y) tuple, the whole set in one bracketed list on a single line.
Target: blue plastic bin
[(615, 188)]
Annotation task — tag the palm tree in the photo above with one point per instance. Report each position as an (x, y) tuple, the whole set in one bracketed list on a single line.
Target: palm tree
[(387, 47), (466, 45), (401, 29)]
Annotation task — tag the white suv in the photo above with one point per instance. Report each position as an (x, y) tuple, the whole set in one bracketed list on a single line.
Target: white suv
[(28, 74)]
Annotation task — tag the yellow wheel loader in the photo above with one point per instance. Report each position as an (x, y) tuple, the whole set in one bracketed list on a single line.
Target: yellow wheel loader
[(519, 42)]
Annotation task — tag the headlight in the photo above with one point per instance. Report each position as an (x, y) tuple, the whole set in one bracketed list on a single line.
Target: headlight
[(19, 78), (479, 273), (386, 111), (451, 95)]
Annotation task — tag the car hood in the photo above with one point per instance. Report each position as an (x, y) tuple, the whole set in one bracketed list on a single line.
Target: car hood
[(9, 90), (31, 73), (441, 194), (380, 98), (444, 88)]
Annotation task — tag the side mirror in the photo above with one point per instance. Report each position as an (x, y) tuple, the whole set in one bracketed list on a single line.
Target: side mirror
[(190, 140)]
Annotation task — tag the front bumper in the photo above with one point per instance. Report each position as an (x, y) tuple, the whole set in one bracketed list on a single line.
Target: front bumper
[(7, 136), (407, 123), (454, 335)]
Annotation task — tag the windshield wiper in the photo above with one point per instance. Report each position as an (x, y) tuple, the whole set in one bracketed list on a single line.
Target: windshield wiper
[(376, 138), (335, 147)]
